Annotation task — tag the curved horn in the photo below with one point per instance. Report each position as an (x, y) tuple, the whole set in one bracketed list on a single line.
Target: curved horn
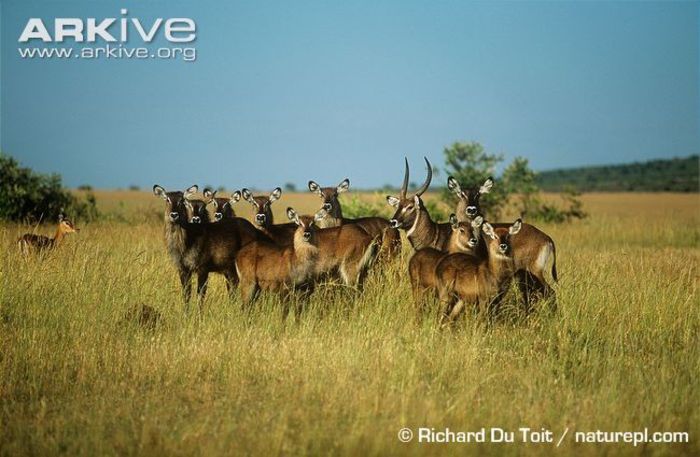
[(404, 186), (426, 184)]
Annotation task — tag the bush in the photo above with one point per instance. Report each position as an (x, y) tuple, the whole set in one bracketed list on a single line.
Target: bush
[(471, 165), (32, 197), (357, 207)]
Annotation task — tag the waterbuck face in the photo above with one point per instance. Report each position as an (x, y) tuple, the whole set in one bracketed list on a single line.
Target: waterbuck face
[(306, 230), (407, 209), (223, 207), (329, 195), (467, 234), (262, 206), (469, 198), (196, 211), (499, 239), (175, 202)]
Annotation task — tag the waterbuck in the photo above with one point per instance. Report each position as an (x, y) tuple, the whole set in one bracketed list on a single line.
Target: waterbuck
[(465, 279), (388, 238), (532, 248), (282, 234), (412, 216), (222, 206), (39, 243), (266, 266), (202, 248), (465, 238)]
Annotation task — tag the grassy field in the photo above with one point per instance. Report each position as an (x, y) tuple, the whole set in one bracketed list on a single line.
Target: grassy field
[(78, 378)]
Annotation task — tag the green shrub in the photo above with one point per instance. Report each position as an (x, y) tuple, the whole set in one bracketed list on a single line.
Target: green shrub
[(32, 197)]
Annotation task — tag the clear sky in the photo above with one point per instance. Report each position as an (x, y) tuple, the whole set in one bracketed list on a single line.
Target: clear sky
[(289, 91)]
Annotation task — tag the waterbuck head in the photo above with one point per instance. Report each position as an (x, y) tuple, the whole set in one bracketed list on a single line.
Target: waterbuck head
[(262, 206), (465, 235), (65, 225), (223, 207), (196, 211), (408, 208), (329, 195), (469, 198), (175, 202), (498, 239), (306, 230)]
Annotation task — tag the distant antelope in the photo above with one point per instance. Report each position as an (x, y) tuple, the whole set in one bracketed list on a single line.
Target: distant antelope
[(202, 248), (282, 234), (532, 248), (468, 280), (412, 216), (266, 266), (389, 239), (40, 243), (465, 238), (223, 207)]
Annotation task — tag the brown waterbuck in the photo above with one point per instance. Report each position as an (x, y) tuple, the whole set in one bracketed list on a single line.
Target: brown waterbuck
[(465, 238), (412, 216), (532, 248), (388, 238), (39, 243), (346, 251), (201, 249), (266, 266), (282, 234), (222, 206), (465, 279)]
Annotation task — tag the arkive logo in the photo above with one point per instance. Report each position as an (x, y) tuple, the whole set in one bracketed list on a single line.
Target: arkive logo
[(109, 30)]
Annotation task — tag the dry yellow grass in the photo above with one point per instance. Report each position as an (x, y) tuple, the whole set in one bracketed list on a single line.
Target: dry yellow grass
[(76, 378)]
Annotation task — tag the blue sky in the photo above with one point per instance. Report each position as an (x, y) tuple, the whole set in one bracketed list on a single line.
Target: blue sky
[(291, 91)]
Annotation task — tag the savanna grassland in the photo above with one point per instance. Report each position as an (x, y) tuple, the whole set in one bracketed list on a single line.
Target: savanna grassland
[(80, 376)]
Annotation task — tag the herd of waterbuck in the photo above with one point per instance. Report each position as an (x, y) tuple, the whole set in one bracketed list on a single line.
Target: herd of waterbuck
[(466, 262)]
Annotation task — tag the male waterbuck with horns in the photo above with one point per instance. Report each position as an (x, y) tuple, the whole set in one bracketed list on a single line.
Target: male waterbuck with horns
[(479, 281), (201, 249), (388, 238), (532, 248), (282, 234), (465, 238), (412, 216)]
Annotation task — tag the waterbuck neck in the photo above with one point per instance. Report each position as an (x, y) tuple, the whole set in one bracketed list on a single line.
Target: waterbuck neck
[(330, 220), (58, 236), (424, 232)]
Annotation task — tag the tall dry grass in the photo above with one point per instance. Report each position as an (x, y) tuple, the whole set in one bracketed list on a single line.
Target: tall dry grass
[(77, 378)]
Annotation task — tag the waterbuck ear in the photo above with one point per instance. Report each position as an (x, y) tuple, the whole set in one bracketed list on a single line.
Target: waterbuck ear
[(453, 185), (320, 215), (236, 196), (343, 186), (208, 194), (416, 201), (191, 191), (478, 220), (486, 187), (293, 216), (515, 228), (276, 194), (454, 222), (61, 217), (247, 196), (313, 187), (393, 201), (160, 192), (488, 229)]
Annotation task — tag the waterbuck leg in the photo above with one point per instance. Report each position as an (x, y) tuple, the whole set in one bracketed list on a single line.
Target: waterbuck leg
[(202, 281), (186, 282)]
